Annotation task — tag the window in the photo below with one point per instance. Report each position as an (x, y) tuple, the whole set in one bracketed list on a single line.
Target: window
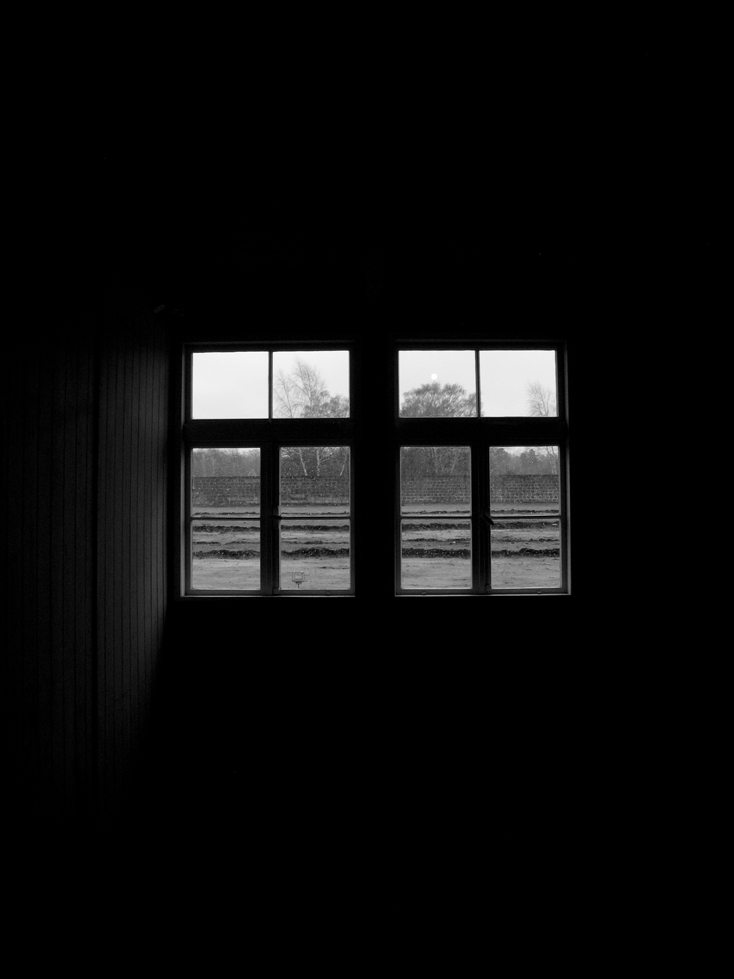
[(267, 488), (272, 442), (481, 459)]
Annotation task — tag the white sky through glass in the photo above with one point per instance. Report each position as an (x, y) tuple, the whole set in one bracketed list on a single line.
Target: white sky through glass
[(234, 384), (231, 384), (419, 367), (504, 375)]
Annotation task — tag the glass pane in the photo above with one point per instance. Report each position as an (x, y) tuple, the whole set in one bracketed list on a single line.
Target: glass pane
[(525, 495), (524, 474), (518, 382), (311, 384), (225, 482), (435, 499), (315, 507), (314, 554), (231, 384), (526, 554), (437, 383), (225, 554), (435, 553)]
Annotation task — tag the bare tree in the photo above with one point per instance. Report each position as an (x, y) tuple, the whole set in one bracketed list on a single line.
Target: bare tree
[(542, 404), (303, 394), (541, 401)]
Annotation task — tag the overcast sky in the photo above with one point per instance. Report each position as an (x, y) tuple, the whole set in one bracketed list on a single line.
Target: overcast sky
[(504, 375), (235, 384)]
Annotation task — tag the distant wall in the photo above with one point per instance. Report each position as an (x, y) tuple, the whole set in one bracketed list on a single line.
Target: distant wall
[(218, 491), (504, 489), (524, 489)]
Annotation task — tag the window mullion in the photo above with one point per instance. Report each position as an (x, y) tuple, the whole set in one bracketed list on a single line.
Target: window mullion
[(565, 517), (274, 516), (480, 505), (268, 525)]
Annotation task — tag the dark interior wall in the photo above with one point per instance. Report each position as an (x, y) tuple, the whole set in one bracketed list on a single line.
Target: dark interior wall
[(131, 579), (85, 424), (49, 504), (86, 444)]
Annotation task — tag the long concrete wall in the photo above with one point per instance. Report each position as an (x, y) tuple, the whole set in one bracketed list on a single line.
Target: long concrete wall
[(238, 490)]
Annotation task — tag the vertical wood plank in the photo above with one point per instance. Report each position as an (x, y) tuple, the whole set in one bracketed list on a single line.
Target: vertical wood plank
[(134, 704), (52, 534), (71, 574), (29, 587)]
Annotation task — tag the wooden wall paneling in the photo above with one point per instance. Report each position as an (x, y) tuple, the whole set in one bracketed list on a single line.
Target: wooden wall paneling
[(105, 550), (150, 423), (50, 656), (29, 587), (67, 574), (117, 566), (103, 620), (81, 588), (135, 704), (90, 505), (145, 573), (13, 571), (73, 574), (159, 502), (84, 441), (106, 543), (54, 489), (132, 565), (151, 420), (124, 653)]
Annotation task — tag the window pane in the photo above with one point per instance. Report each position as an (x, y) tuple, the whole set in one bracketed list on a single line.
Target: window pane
[(225, 554), (435, 498), (437, 383), (518, 382), (525, 495), (311, 384), (526, 554), (521, 474), (314, 554), (315, 509), (230, 384)]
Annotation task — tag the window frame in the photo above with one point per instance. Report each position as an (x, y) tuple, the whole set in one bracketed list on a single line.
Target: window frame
[(368, 358), (268, 435), (479, 434)]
